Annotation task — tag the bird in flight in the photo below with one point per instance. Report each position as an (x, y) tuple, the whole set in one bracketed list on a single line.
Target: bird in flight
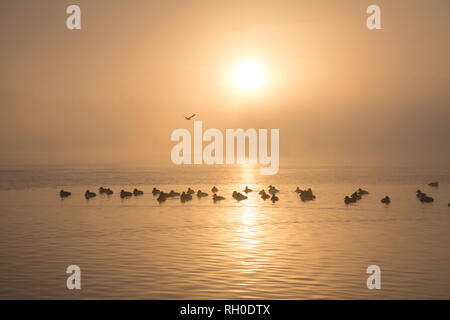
[(189, 118)]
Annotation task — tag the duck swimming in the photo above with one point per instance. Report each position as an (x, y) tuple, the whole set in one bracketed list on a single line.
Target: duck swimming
[(190, 191), (356, 196), (362, 192), (264, 195), (64, 194), (125, 194), (173, 194), (434, 184), (306, 195), (162, 197), (239, 196), (274, 198), (273, 190), (420, 194), (201, 194), (386, 200), (137, 192), (348, 200), (217, 198), (425, 198), (185, 197), (298, 190), (107, 191), (156, 191), (214, 189), (247, 189), (89, 194)]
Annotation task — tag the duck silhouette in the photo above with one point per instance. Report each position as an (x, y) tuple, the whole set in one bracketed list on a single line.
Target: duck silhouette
[(190, 191), (106, 191), (247, 189), (348, 200), (307, 195), (162, 197), (386, 200), (264, 195), (173, 194), (64, 194), (274, 198), (214, 189), (88, 194), (156, 191), (217, 198), (239, 196), (201, 194), (273, 190), (362, 192), (125, 194), (137, 192), (434, 184), (185, 197)]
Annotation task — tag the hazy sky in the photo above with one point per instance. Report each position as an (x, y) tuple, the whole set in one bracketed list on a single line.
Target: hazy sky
[(116, 89)]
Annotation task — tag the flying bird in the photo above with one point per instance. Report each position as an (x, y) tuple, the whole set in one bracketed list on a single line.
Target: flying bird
[(189, 118)]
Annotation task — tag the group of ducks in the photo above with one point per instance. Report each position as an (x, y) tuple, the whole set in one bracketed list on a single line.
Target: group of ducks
[(89, 194), (357, 195), (305, 195), (187, 195)]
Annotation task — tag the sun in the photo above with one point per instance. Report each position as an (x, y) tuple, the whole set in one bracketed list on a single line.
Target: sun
[(248, 76)]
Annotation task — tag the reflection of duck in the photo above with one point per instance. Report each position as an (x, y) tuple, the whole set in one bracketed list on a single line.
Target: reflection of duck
[(89, 194), (386, 200), (214, 189), (306, 195), (274, 198), (217, 198), (239, 196), (201, 194), (156, 191), (64, 194), (125, 194), (362, 192), (137, 192), (190, 191), (434, 184), (247, 189)]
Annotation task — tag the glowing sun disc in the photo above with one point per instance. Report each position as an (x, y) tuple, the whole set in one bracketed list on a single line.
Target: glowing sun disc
[(248, 76)]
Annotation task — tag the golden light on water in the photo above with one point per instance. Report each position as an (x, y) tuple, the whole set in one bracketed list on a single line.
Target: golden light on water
[(248, 76)]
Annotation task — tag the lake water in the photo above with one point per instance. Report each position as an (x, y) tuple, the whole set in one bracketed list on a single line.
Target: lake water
[(253, 249)]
